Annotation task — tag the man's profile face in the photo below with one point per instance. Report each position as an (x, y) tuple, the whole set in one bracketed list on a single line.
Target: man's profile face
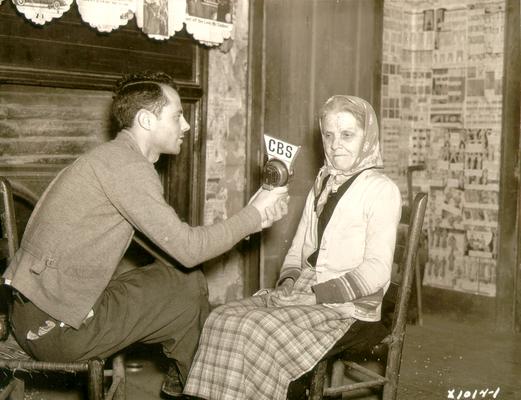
[(342, 138), (170, 124)]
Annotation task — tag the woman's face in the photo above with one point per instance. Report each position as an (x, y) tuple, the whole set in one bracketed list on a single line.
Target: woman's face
[(342, 138)]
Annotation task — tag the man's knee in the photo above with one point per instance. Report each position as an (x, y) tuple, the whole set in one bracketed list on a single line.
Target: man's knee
[(189, 284)]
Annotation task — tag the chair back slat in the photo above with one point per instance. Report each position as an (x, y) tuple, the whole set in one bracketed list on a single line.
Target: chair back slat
[(4, 248), (391, 295), (8, 247), (9, 234), (408, 260), (402, 235)]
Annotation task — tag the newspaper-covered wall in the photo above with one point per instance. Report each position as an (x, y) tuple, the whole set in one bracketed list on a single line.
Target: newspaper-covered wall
[(441, 107)]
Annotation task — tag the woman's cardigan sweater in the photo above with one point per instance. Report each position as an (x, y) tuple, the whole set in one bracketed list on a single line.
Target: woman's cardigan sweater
[(356, 251)]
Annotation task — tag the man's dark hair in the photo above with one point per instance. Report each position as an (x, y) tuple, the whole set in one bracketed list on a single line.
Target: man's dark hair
[(136, 91)]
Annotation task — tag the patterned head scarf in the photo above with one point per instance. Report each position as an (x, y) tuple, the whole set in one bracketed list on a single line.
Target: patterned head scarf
[(369, 155)]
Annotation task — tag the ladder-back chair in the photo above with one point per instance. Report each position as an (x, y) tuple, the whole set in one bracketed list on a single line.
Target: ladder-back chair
[(398, 295), (13, 358), (416, 292)]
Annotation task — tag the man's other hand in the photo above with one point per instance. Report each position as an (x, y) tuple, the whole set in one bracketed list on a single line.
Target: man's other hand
[(271, 204)]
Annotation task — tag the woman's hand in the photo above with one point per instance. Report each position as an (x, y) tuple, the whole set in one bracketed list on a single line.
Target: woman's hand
[(277, 299), (286, 286)]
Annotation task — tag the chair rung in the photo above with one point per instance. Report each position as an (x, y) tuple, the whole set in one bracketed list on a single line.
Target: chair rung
[(366, 371), (352, 386), (375, 382), (32, 365)]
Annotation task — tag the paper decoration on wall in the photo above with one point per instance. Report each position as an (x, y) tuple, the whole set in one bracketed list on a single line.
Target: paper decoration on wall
[(209, 21), (42, 11), (106, 15), (160, 19)]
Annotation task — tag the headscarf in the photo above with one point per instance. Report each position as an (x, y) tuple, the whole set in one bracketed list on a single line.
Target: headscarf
[(369, 155)]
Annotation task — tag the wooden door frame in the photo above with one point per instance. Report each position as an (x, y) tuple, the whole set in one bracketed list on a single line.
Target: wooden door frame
[(508, 280), (255, 84)]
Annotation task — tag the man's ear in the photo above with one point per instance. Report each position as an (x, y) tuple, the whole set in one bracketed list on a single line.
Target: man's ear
[(146, 119)]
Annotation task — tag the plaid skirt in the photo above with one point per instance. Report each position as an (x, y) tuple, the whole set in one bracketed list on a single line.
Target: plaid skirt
[(249, 351)]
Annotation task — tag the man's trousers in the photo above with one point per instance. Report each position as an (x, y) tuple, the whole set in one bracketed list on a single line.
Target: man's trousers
[(152, 304)]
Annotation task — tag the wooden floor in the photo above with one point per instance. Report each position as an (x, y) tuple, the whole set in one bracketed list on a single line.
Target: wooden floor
[(441, 358), (445, 356)]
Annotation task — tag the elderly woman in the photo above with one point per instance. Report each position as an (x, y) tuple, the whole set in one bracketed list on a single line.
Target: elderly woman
[(335, 273)]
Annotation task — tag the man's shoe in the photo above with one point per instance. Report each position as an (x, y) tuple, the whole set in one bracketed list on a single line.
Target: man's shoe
[(172, 385)]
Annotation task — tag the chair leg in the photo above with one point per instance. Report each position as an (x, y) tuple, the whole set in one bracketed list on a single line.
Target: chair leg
[(337, 373), (14, 390), (18, 392), (389, 391), (316, 390), (96, 379), (392, 371), (118, 378)]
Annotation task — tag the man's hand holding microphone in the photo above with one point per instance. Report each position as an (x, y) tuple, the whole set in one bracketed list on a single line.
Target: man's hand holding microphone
[(271, 204)]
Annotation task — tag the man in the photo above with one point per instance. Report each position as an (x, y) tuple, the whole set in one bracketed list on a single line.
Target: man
[(69, 303)]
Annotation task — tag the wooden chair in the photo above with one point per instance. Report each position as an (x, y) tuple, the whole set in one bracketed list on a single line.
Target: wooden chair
[(13, 358), (405, 256), (416, 293)]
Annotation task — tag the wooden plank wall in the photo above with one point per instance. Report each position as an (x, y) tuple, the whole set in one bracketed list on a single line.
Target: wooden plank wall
[(55, 86), (313, 50), (44, 129), (50, 125)]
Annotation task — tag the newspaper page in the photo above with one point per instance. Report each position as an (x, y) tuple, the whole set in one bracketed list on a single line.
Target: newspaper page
[(160, 19), (42, 11), (106, 15), (209, 21)]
